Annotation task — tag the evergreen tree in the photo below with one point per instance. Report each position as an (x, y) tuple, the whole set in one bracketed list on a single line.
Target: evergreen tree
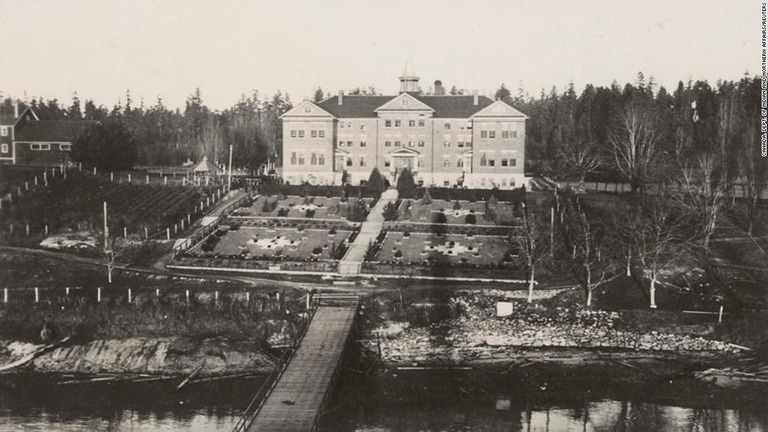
[(406, 186)]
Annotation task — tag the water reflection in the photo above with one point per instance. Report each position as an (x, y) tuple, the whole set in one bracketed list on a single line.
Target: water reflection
[(602, 416)]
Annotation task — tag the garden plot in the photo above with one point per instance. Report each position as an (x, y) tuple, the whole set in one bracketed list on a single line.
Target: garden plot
[(418, 211), (298, 207), (458, 249), (290, 244)]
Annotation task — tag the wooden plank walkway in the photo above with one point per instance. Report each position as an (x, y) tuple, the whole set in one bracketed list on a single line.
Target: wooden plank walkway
[(298, 396)]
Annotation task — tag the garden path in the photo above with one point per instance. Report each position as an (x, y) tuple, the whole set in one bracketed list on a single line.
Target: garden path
[(369, 230)]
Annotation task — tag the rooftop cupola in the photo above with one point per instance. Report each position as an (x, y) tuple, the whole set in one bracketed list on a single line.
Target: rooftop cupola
[(409, 82)]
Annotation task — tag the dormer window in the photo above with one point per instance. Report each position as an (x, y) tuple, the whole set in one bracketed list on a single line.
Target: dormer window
[(307, 109)]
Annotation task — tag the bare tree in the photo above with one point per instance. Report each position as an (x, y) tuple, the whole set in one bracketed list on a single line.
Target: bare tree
[(533, 245), (592, 254), (659, 239), (635, 139), (581, 157)]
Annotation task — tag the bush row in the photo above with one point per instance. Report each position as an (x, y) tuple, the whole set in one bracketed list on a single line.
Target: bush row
[(318, 190)]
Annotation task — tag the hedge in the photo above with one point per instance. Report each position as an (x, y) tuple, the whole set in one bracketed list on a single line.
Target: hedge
[(317, 190), (453, 194)]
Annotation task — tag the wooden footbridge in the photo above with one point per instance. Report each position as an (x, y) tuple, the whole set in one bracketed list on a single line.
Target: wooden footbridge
[(294, 398)]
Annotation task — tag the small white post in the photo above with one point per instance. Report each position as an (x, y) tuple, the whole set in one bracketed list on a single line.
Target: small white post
[(248, 297), (168, 233), (125, 232), (207, 201), (80, 166), (35, 180), (720, 315), (189, 218), (94, 170), (18, 190), (129, 295), (111, 176), (147, 178), (11, 228), (27, 227), (5, 295), (165, 180), (187, 295), (157, 292), (37, 295), (129, 178), (307, 301), (26, 185), (45, 177), (66, 291), (182, 224), (46, 230), (217, 296), (175, 229), (98, 295), (146, 234)]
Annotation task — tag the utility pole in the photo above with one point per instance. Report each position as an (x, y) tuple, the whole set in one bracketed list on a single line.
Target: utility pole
[(109, 256), (229, 179)]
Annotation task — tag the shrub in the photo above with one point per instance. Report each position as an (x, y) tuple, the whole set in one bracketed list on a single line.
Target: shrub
[(309, 214), (332, 231), (406, 234), (490, 213), (307, 200), (357, 212), (427, 198), (406, 186), (441, 218), (390, 212), (376, 182), (399, 254), (266, 206), (456, 205), (280, 197), (283, 212), (470, 219), (317, 251)]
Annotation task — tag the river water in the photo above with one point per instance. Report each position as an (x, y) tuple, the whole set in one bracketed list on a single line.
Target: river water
[(386, 405)]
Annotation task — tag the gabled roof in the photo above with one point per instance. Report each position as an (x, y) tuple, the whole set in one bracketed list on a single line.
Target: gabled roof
[(405, 102), (306, 109), (52, 130), (205, 166), (363, 106), (500, 109), (7, 113)]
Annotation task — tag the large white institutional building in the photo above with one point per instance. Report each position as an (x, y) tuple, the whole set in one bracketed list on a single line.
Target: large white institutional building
[(445, 140)]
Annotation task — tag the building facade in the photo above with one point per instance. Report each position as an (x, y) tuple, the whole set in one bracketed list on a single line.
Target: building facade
[(445, 140), (27, 140)]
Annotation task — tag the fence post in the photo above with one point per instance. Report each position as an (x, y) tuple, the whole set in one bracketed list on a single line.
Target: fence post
[(247, 297), (129, 295), (129, 178), (157, 292), (35, 180), (182, 224), (175, 229), (5, 295), (168, 233), (147, 178), (94, 170), (125, 232), (111, 176), (187, 295), (98, 295), (189, 218), (37, 295), (26, 185), (46, 229), (11, 229), (146, 234), (66, 291), (27, 227), (720, 315), (216, 295), (165, 180)]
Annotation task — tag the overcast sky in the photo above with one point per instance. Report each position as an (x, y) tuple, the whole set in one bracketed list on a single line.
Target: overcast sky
[(100, 48)]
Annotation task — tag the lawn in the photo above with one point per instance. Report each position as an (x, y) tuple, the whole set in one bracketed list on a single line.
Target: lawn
[(455, 249), (418, 211), (290, 244), (300, 207)]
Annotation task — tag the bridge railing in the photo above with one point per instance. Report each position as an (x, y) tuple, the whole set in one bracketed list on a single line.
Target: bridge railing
[(266, 387)]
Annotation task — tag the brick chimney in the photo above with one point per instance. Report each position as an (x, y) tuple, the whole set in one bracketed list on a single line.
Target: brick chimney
[(15, 110), (475, 98), (341, 97), (439, 89)]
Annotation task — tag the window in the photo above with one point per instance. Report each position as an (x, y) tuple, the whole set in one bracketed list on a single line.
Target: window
[(397, 123), (301, 133), (321, 133), (512, 182), (504, 162), (421, 163), (513, 162), (411, 123), (40, 147), (4, 131), (349, 161), (321, 159), (362, 127), (421, 183), (505, 134), (307, 109), (301, 158), (491, 134), (363, 144), (447, 144), (313, 159), (459, 162), (411, 144), (387, 123), (293, 133), (461, 144), (386, 164), (491, 162), (387, 143), (397, 143), (349, 143), (447, 126), (313, 133), (421, 122), (362, 161), (293, 158), (446, 163), (446, 183), (421, 143), (483, 161), (513, 134), (483, 134), (4, 148), (65, 147)]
